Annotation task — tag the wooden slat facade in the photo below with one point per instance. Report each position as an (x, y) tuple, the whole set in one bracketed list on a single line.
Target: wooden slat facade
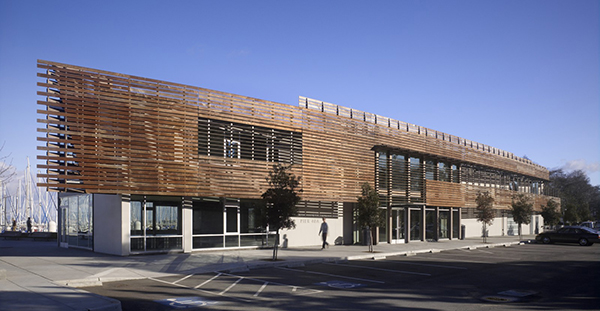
[(105, 132)]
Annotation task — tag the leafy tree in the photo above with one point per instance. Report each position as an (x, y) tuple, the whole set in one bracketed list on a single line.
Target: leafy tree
[(281, 199), (551, 213), (521, 208), (369, 215), (579, 199), (570, 214), (595, 203), (485, 204)]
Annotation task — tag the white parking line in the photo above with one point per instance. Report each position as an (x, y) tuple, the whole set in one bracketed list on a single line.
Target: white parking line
[(183, 278), (198, 289), (308, 291), (456, 260), (333, 275), (231, 286), (475, 254), (428, 265), (207, 281), (379, 269), (261, 289)]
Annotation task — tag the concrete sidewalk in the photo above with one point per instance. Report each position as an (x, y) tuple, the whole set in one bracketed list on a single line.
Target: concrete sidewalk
[(37, 274)]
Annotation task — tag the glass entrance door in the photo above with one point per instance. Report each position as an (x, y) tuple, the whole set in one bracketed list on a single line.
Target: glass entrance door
[(232, 225), (64, 225), (397, 226)]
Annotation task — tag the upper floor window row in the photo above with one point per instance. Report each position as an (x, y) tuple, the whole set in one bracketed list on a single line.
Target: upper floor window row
[(487, 177), (401, 172), (242, 141)]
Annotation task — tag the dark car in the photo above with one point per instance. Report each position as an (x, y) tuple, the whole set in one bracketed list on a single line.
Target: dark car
[(572, 234)]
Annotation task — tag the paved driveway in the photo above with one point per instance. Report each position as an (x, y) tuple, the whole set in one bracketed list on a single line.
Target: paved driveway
[(532, 276)]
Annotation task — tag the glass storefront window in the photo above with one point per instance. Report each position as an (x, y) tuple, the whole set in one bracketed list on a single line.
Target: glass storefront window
[(383, 230), (444, 225), (227, 224), (397, 224), (135, 215), (232, 219), (155, 223), (416, 224), (149, 219), (207, 217), (78, 222), (249, 216), (430, 224), (455, 224), (167, 219), (208, 242)]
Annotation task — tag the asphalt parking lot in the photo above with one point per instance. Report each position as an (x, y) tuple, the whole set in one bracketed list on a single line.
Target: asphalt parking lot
[(525, 277)]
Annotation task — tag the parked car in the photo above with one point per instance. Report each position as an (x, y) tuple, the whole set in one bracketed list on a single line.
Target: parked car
[(571, 234)]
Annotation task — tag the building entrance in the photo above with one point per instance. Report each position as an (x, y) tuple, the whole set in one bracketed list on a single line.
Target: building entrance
[(397, 226)]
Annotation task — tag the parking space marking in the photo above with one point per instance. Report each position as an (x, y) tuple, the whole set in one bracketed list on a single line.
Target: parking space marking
[(265, 283), (378, 269), (198, 289), (260, 289), (231, 286), (208, 281), (296, 290), (428, 265), (333, 275), (183, 278), (457, 260), (474, 253)]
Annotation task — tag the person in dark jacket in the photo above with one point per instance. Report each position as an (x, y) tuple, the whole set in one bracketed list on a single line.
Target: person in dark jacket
[(323, 233)]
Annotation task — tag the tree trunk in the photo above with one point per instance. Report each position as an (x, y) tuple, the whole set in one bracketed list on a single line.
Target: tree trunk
[(484, 235), (275, 245), (370, 240), (520, 234)]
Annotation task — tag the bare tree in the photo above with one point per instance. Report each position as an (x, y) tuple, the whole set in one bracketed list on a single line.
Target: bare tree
[(7, 171), (485, 208)]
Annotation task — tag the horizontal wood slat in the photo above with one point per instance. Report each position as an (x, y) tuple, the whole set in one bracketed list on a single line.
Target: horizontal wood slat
[(105, 132)]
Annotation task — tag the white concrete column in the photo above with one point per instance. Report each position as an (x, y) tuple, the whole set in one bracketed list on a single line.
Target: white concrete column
[(125, 227), (186, 229)]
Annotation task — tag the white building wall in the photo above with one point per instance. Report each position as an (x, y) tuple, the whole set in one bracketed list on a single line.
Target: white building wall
[(306, 232), (502, 226), (111, 225)]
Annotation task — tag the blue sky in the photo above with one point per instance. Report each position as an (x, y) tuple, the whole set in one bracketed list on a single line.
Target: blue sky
[(522, 76)]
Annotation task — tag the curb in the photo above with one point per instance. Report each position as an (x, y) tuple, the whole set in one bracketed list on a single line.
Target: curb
[(372, 256)]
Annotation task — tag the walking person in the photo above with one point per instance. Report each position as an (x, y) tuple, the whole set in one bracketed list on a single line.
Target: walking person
[(323, 233), (14, 225), (28, 224)]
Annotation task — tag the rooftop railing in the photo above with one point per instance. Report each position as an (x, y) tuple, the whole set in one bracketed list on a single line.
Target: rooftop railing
[(368, 117)]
